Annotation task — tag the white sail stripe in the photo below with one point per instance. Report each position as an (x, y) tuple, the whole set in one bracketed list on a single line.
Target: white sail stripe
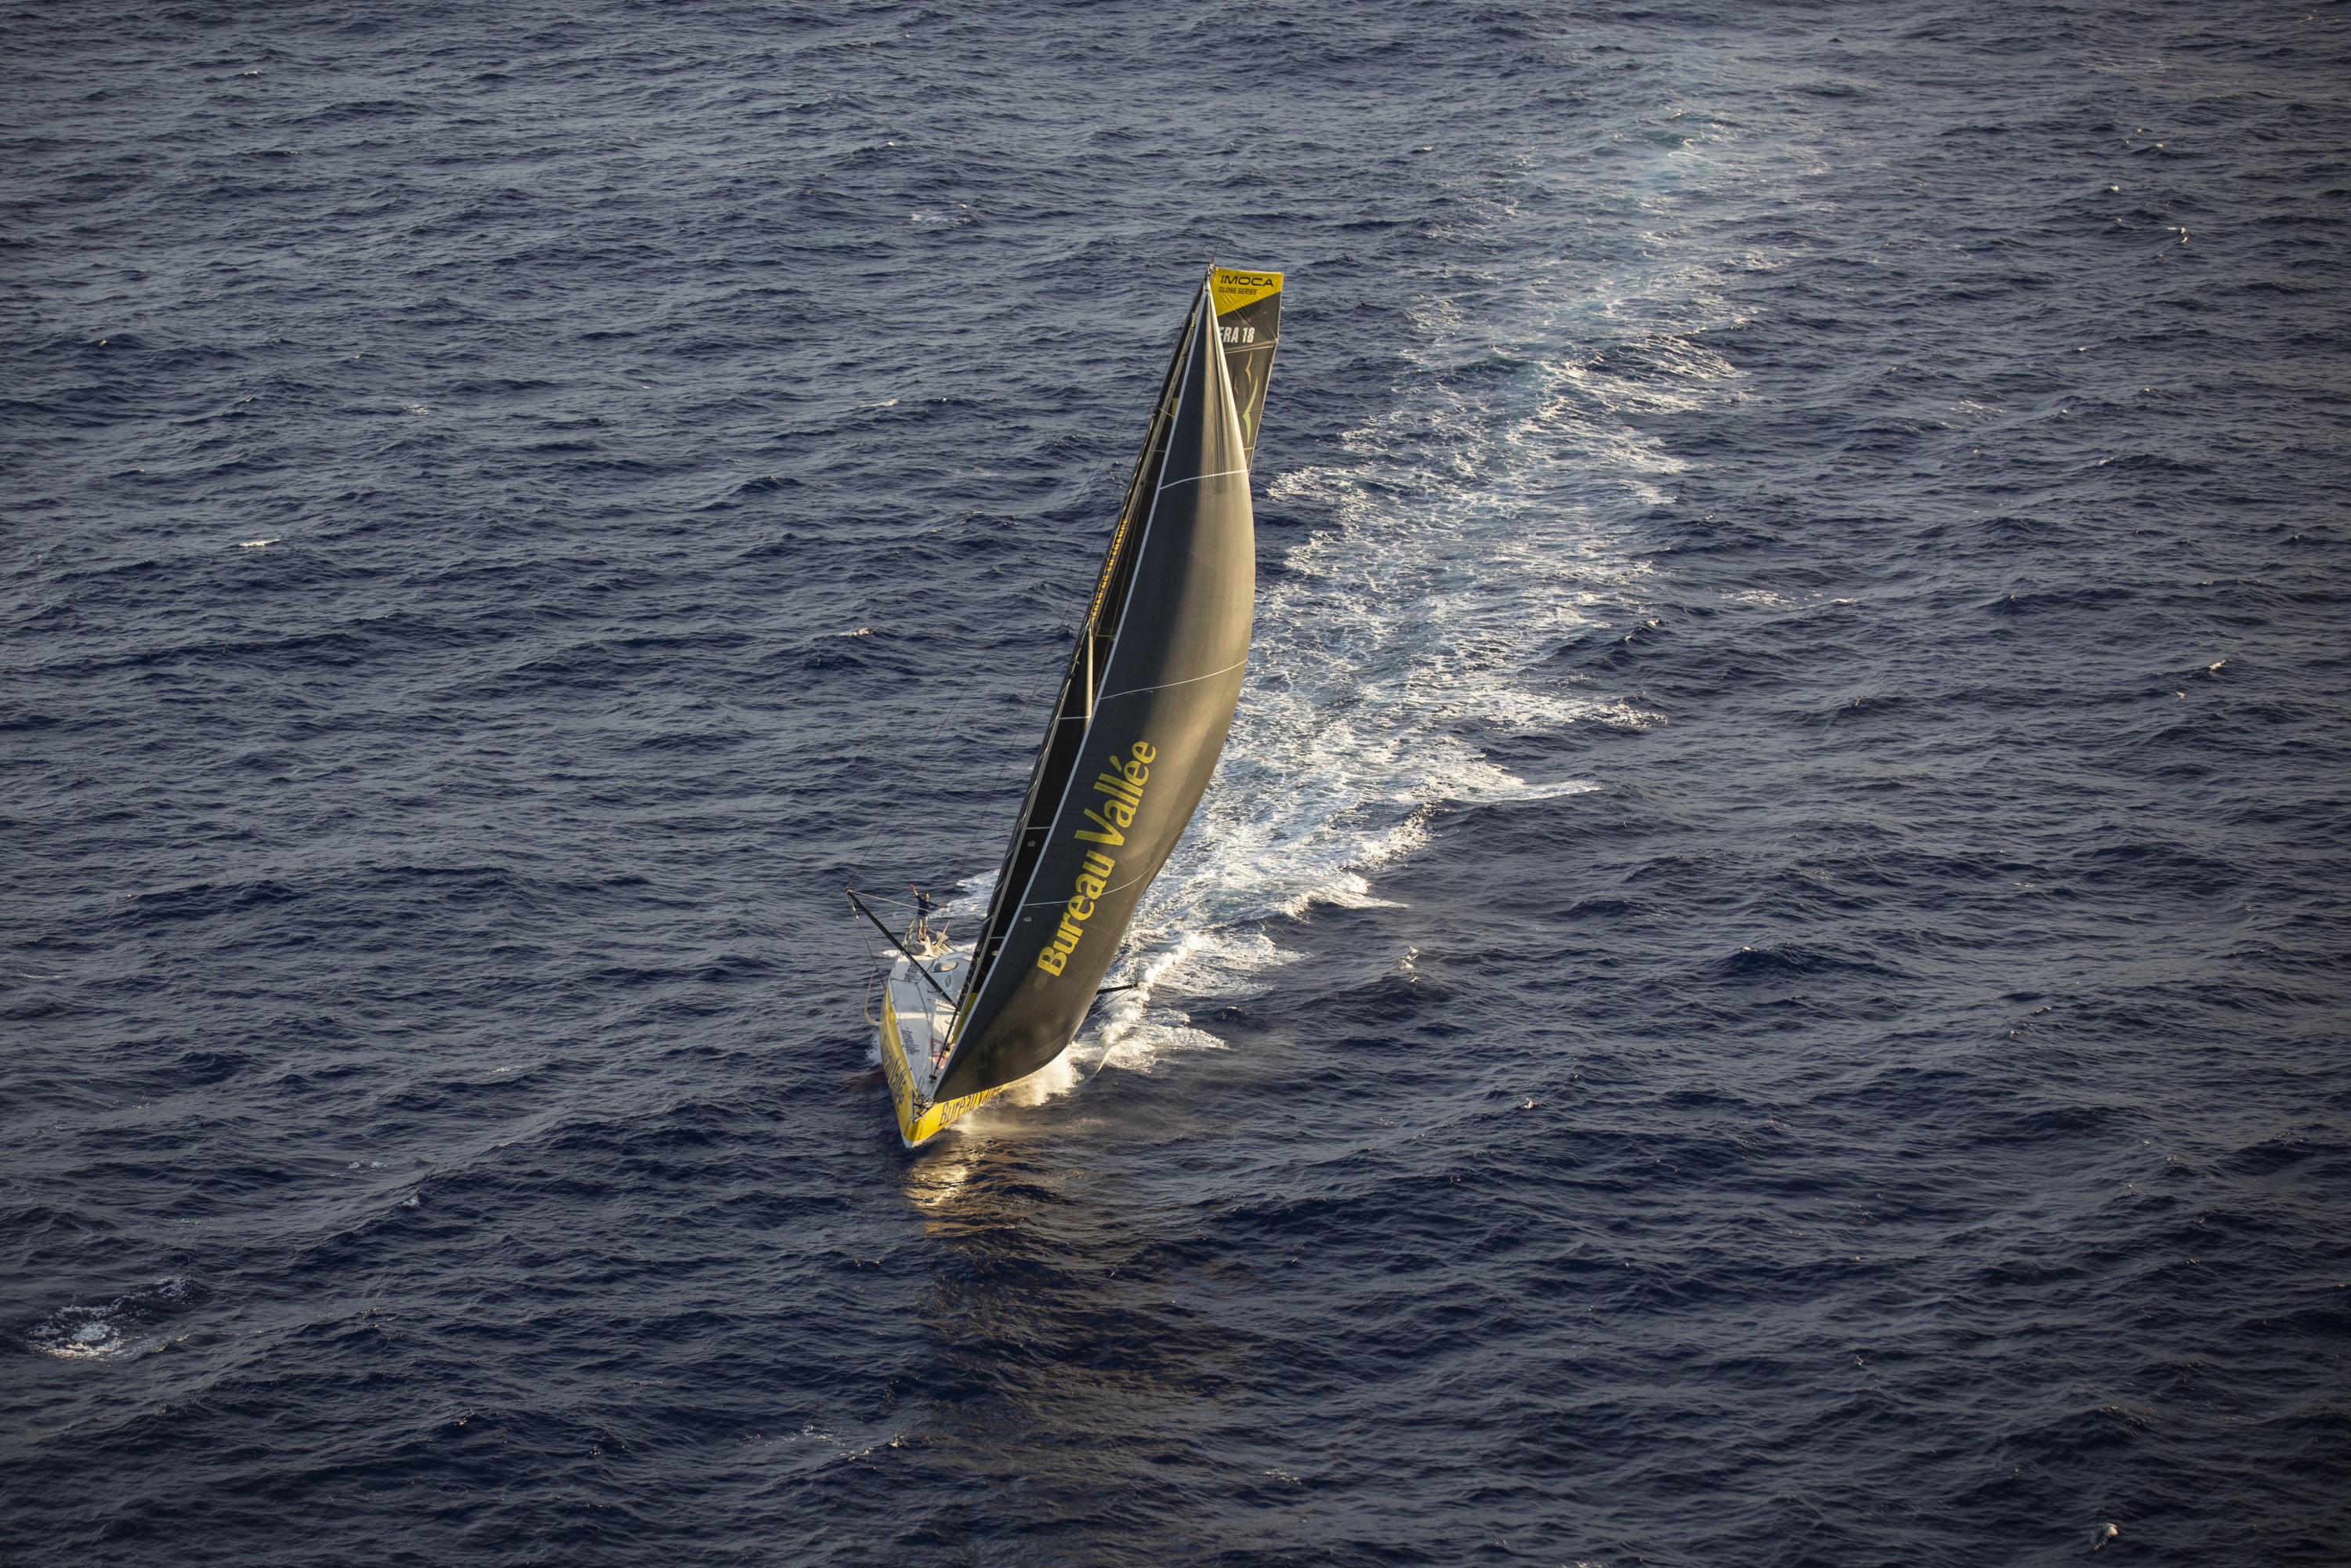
[(1212, 674), (1137, 690), (1042, 903), (1222, 474)]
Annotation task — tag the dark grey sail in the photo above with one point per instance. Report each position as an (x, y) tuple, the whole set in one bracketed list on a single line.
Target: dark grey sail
[(1142, 717)]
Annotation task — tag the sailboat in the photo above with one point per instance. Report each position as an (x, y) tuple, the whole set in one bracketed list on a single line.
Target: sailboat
[(1135, 732)]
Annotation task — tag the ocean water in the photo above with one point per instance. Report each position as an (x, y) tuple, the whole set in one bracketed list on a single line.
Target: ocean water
[(1764, 981)]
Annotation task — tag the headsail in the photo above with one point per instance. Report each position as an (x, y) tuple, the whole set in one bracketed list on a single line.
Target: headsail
[(1144, 706)]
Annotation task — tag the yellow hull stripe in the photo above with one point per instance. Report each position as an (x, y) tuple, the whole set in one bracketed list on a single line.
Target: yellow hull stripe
[(914, 1130)]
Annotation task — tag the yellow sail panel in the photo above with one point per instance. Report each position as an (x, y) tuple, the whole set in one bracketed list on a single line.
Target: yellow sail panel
[(1249, 324), (1233, 289)]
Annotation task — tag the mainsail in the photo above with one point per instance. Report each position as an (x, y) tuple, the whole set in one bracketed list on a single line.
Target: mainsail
[(1144, 706)]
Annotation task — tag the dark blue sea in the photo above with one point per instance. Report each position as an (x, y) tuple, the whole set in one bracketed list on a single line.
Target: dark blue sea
[(1766, 979)]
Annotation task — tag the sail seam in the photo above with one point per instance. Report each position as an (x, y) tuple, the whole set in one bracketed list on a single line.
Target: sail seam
[(1196, 478), (1188, 680), (1118, 887)]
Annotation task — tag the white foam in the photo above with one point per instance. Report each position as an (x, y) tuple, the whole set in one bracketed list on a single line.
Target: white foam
[(118, 1331)]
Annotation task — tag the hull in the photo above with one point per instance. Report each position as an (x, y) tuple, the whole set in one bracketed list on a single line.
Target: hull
[(912, 1019)]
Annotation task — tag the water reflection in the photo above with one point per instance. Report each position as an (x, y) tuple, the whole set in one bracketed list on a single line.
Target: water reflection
[(1088, 1359)]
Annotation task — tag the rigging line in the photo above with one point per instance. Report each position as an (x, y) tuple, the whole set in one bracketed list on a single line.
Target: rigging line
[(1188, 680), (864, 854), (868, 944)]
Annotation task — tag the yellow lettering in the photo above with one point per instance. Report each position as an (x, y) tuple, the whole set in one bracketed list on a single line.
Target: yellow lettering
[(1121, 789)]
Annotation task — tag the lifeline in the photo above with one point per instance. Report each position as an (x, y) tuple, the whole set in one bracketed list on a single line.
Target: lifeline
[(1122, 788)]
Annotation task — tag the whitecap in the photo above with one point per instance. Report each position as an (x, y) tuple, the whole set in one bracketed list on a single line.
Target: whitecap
[(124, 1329)]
